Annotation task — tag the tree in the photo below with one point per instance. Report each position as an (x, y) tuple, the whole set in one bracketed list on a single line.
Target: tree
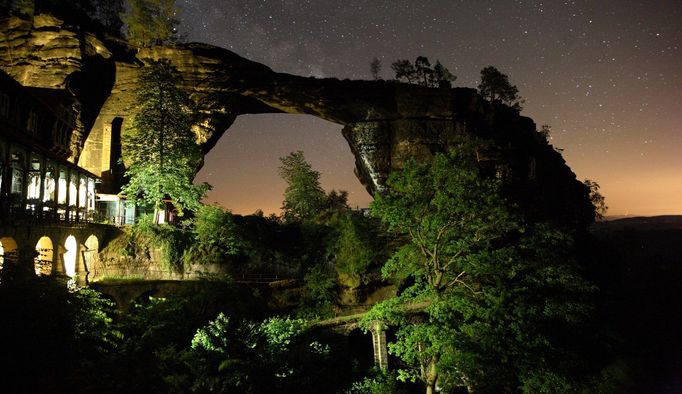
[(404, 70), (442, 77), (25, 8), (545, 132), (304, 198), (495, 86), (422, 74), (159, 149), (150, 22), (597, 200), (359, 248), (109, 12), (274, 355), (215, 230), (422, 66), (490, 294), (375, 68)]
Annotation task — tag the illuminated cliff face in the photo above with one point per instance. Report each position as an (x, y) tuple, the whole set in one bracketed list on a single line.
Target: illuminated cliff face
[(385, 123)]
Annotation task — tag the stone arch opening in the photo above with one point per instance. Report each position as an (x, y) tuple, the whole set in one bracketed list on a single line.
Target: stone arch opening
[(9, 249), (42, 263), (70, 256), (360, 348), (248, 155), (8, 253), (91, 252)]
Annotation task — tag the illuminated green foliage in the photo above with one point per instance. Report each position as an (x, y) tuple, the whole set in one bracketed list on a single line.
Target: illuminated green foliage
[(359, 248), (150, 22), (493, 297), (249, 357), (159, 149), (304, 198), (214, 228)]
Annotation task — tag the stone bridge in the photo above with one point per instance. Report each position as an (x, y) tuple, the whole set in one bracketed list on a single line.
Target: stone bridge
[(60, 248)]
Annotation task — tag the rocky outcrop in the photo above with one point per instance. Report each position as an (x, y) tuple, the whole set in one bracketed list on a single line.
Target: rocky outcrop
[(44, 53), (385, 123)]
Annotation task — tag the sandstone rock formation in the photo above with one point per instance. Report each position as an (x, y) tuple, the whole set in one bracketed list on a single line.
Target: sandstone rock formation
[(385, 123)]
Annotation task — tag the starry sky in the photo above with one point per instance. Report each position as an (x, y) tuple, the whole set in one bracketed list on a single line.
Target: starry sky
[(605, 75)]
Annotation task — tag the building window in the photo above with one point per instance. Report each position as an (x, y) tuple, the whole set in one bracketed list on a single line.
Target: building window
[(34, 178), (33, 120), (49, 188), (91, 194), (18, 165), (73, 189), (61, 187), (82, 193)]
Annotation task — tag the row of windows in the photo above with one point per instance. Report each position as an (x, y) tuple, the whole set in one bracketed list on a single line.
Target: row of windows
[(34, 184)]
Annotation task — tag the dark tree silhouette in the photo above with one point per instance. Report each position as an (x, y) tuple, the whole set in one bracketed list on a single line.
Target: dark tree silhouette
[(495, 86), (404, 70), (375, 68), (150, 22), (421, 73)]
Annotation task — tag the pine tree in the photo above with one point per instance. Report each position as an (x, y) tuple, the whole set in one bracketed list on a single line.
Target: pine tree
[(375, 68), (421, 73), (160, 149), (495, 86), (442, 77), (304, 198)]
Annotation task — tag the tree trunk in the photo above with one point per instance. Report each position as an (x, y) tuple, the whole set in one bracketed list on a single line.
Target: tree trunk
[(431, 376)]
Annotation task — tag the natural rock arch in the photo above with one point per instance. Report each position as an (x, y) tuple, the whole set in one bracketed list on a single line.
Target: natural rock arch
[(385, 123)]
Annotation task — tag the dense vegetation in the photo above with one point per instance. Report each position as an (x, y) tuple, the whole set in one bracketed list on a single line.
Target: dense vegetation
[(487, 301)]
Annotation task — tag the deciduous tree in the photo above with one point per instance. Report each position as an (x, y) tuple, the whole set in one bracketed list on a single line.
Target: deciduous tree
[(597, 199), (404, 71), (491, 294)]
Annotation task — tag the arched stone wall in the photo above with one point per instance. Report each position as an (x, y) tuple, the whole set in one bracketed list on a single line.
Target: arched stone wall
[(70, 256), (44, 261), (90, 254), (23, 244)]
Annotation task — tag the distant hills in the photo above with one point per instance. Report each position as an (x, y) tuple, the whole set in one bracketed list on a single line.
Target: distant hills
[(663, 222)]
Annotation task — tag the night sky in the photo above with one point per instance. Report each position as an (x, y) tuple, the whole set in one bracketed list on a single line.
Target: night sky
[(606, 75)]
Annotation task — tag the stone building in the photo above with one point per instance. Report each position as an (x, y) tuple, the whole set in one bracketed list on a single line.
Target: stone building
[(36, 178)]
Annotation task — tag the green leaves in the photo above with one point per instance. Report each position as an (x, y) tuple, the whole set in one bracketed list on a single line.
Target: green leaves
[(150, 22), (499, 294), (304, 198), (214, 227), (159, 149)]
